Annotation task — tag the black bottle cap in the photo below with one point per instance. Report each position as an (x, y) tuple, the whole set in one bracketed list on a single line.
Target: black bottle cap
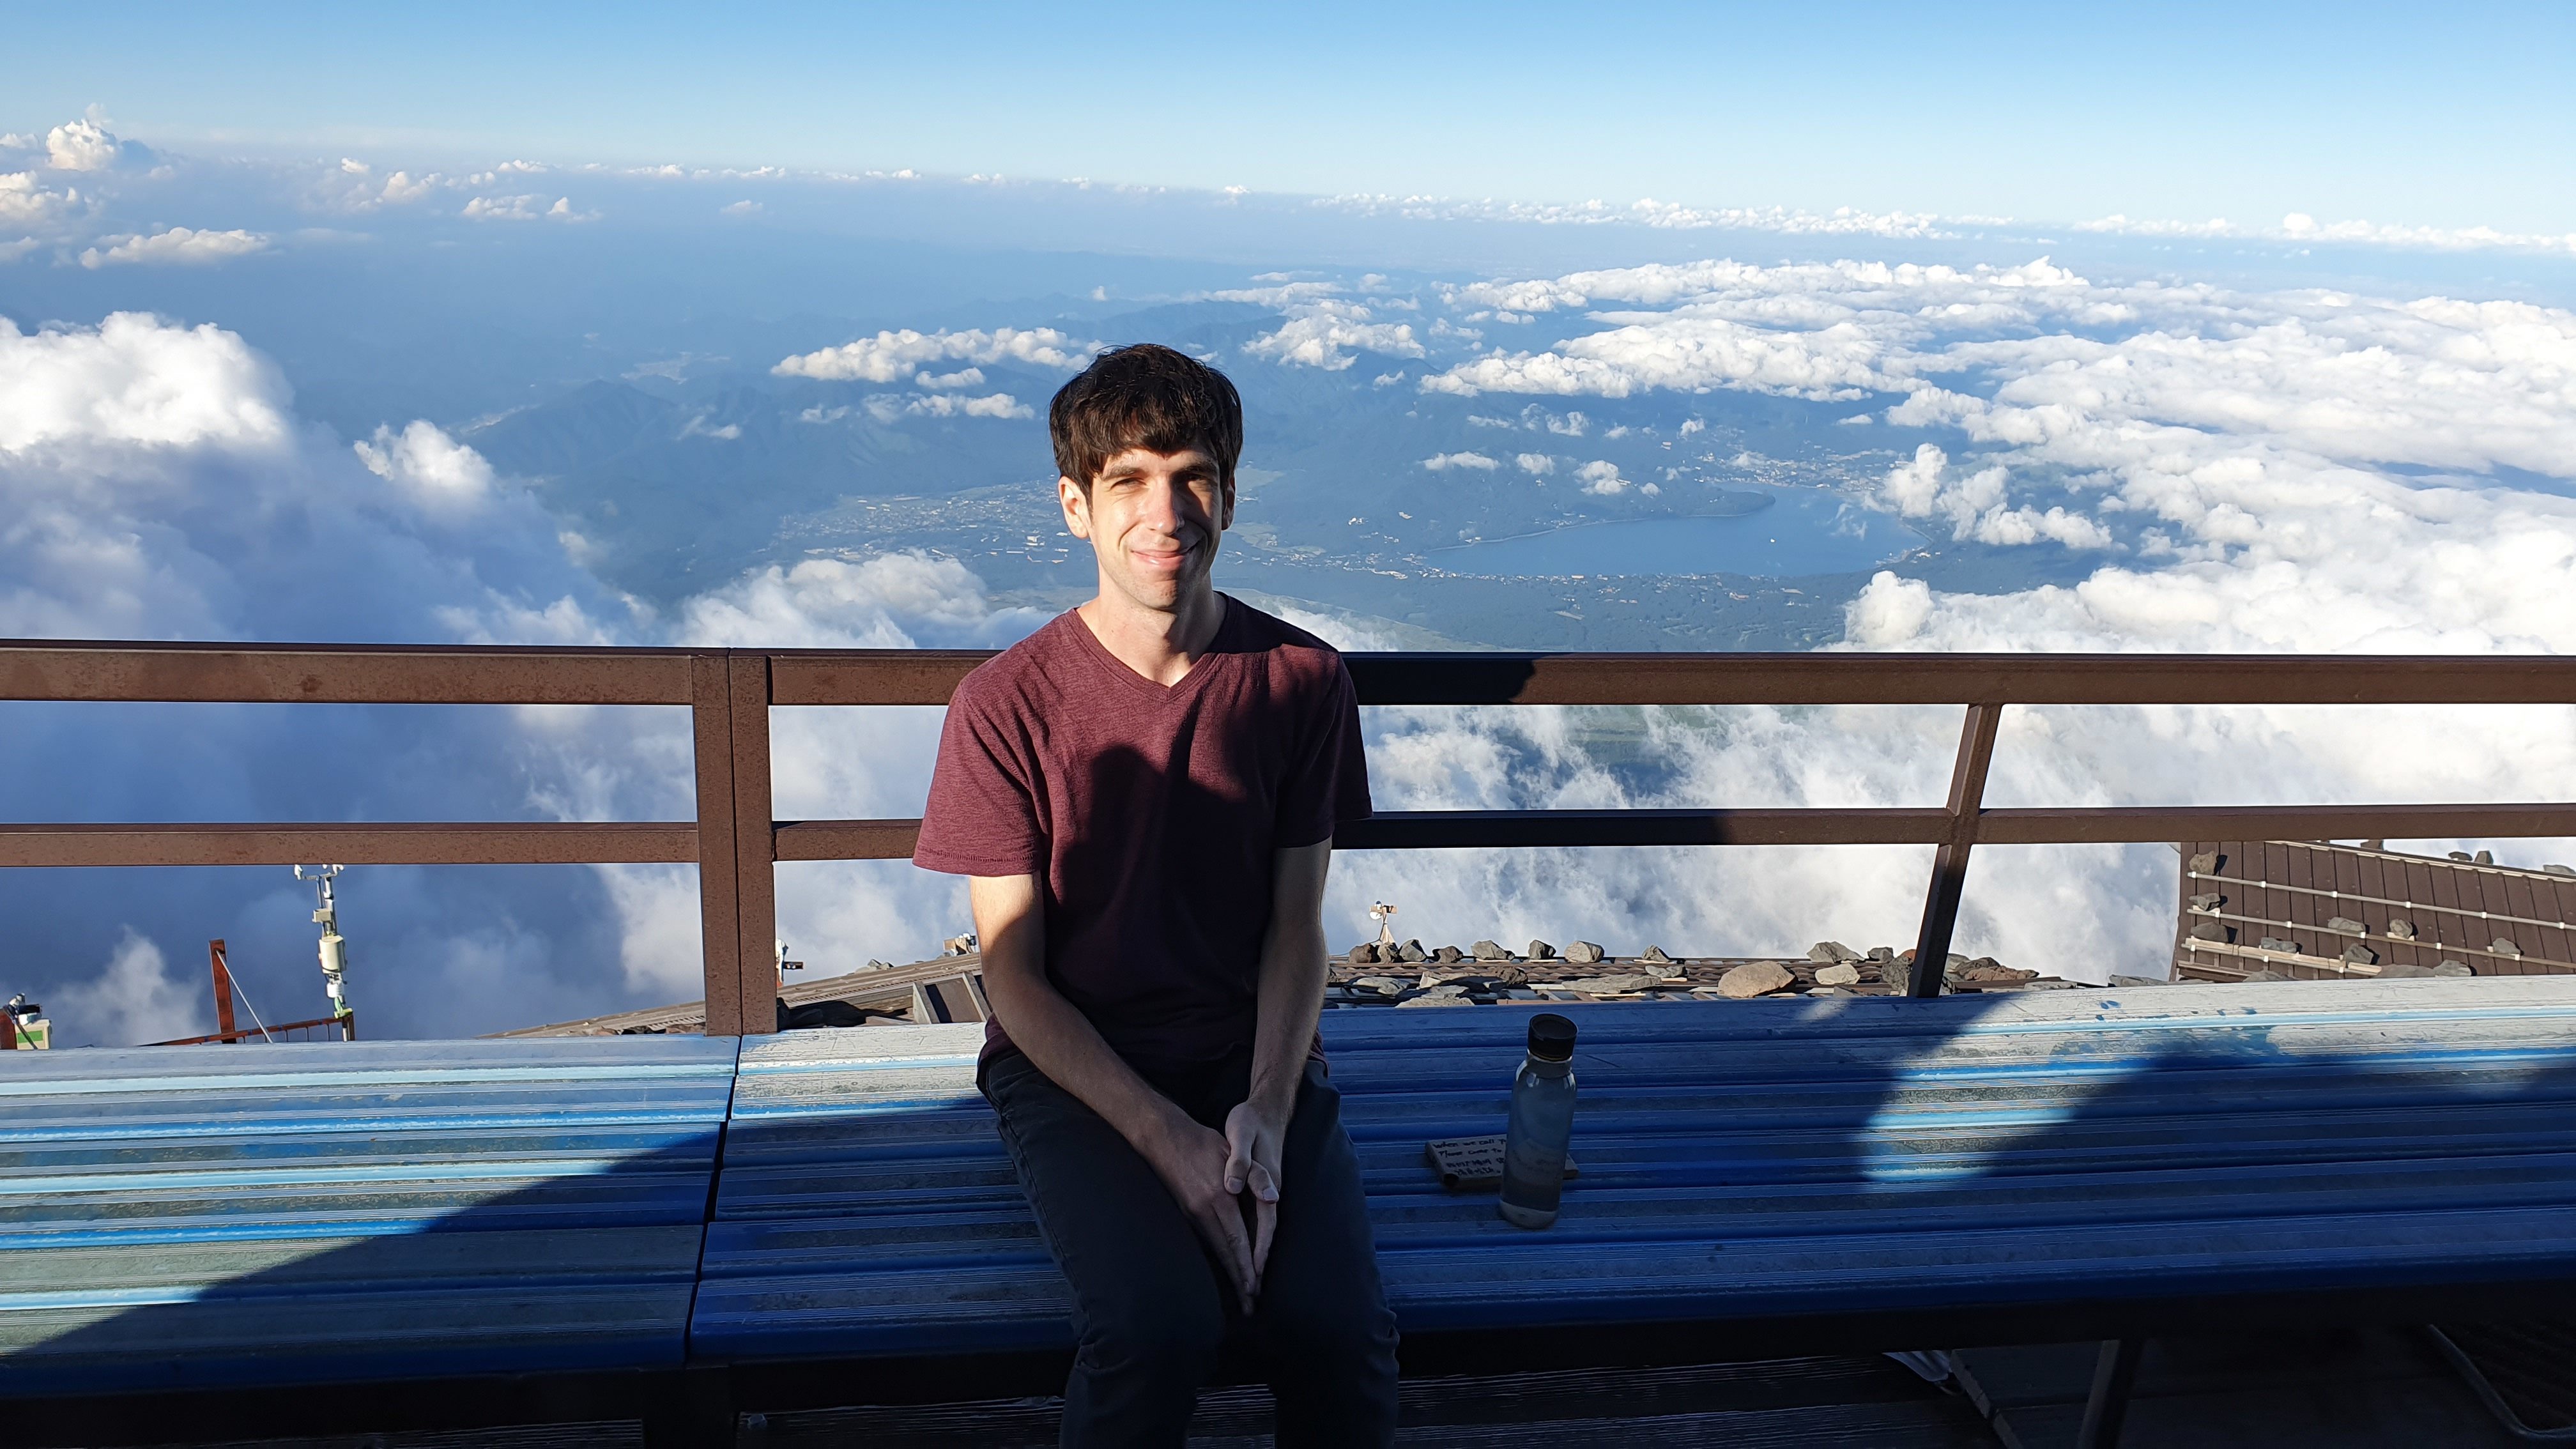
[(1551, 1037)]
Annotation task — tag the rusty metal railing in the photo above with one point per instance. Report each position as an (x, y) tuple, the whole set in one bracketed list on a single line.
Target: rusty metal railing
[(736, 842)]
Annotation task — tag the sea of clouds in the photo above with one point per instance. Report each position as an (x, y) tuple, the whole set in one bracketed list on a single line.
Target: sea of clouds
[(2298, 470)]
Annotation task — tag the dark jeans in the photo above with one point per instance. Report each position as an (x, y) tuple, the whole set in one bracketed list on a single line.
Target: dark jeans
[(1151, 1307)]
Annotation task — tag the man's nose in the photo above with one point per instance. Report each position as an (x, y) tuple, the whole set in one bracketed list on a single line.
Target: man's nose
[(1167, 506)]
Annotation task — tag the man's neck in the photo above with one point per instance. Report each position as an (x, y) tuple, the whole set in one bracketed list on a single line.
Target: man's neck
[(1163, 645)]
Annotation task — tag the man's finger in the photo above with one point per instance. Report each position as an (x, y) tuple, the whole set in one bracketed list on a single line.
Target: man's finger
[(1239, 1163), (1261, 1182), (1238, 1251), (1265, 1226)]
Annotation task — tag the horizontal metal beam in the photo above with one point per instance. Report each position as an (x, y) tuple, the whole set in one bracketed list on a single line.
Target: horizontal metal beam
[(869, 676), (1524, 829), (847, 839), (2158, 824), (1853, 678), (450, 674), (531, 843), (341, 674)]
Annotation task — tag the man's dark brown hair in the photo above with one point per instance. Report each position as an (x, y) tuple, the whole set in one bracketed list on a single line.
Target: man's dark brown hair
[(1144, 396)]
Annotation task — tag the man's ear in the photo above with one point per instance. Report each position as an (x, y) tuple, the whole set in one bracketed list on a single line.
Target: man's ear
[(1077, 507), (1225, 514)]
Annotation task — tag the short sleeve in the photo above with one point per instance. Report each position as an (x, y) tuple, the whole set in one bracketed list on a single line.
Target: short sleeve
[(1327, 782), (982, 818)]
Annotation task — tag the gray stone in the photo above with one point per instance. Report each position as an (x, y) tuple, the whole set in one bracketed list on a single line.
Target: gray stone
[(2119, 980), (2208, 903), (2453, 968), (1384, 985), (1826, 991), (1841, 973), (1363, 954), (2554, 868), (2504, 946), (1656, 955), (2204, 863), (2361, 955), (2404, 970), (1612, 985), (1489, 951), (2346, 925), (2208, 931), (2400, 929), (1449, 955), (1753, 979), (2461, 855), (1583, 953), (1828, 952), (1410, 951), (1882, 953), (1435, 1000), (2275, 943), (2265, 976), (2485, 857), (1541, 951)]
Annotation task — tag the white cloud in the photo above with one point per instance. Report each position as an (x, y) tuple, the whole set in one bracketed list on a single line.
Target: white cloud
[(177, 247), (1537, 465), (80, 146), (11, 251), (24, 203), (739, 208), (962, 377), (433, 469), (1443, 462), (950, 405), (527, 207), (1328, 333), (897, 356), (135, 998), (1602, 477)]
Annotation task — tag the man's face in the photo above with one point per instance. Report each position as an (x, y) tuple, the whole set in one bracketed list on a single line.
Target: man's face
[(1153, 520)]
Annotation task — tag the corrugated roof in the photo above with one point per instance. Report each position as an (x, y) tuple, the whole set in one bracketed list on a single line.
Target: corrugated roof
[(2326, 899)]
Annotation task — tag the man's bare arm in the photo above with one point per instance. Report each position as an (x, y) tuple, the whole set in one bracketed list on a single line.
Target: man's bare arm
[(1010, 921), (1291, 996)]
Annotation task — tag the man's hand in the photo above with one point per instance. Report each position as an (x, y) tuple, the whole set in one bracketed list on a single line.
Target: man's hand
[(1198, 1166), (1253, 1142)]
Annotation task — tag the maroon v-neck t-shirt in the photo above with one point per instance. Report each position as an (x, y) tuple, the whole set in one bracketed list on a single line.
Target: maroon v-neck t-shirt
[(1148, 814)]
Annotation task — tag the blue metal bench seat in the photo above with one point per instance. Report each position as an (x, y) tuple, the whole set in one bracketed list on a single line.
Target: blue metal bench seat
[(230, 1217), (1749, 1162), (377, 1214)]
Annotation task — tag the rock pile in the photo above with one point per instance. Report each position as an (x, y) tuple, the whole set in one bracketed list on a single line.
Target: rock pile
[(1487, 972)]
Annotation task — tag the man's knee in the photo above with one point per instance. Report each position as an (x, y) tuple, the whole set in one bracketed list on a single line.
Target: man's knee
[(1343, 1328), (1173, 1339)]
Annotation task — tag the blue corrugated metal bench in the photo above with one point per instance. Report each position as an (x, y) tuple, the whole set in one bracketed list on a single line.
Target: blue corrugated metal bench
[(1768, 1176), (229, 1218), (1874, 1171)]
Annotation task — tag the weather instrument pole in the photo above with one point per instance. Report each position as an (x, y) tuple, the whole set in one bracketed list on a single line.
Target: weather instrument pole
[(334, 950)]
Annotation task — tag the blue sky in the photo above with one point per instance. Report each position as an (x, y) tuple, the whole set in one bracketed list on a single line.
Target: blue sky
[(2456, 115)]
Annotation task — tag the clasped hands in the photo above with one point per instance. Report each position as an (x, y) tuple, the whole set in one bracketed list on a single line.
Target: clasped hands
[(1228, 1185)]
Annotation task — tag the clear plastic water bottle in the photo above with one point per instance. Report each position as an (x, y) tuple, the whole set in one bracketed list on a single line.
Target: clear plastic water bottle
[(1542, 1124)]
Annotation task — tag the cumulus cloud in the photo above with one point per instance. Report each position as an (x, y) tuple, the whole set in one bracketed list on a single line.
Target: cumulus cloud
[(1442, 463), (25, 203), (1537, 465), (432, 468), (527, 207), (80, 146), (1602, 477), (1329, 333), (134, 998), (1975, 507), (898, 356), (177, 247)]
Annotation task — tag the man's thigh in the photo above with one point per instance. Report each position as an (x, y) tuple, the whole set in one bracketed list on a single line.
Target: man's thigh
[(1135, 1265), (1321, 1285)]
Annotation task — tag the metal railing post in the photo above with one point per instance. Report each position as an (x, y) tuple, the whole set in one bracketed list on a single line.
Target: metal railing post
[(223, 987), (755, 847), (1950, 861), (719, 914)]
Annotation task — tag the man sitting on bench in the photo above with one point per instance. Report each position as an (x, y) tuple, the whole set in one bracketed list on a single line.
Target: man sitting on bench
[(1144, 793)]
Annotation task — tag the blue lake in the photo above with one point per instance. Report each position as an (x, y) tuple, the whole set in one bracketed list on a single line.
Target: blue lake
[(1804, 531)]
